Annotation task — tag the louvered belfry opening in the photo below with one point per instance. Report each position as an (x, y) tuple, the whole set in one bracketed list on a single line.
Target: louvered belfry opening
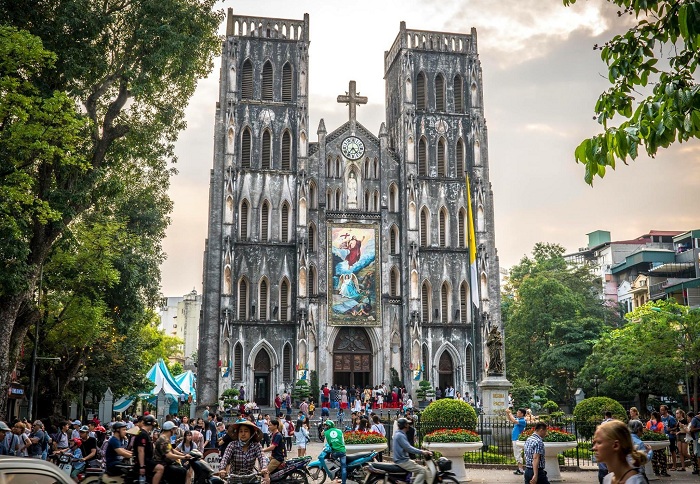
[(284, 300), (244, 220), (265, 222), (459, 156), (287, 83), (444, 303), (263, 300), (463, 301), (245, 148), (439, 93), (243, 300), (443, 227), (420, 91), (266, 152), (286, 151), (462, 228), (284, 225), (247, 80), (425, 302), (267, 81), (441, 161), (422, 158), (238, 362), (424, 227)]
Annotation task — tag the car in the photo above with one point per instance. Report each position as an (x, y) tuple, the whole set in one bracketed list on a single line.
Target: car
[(22, 470)]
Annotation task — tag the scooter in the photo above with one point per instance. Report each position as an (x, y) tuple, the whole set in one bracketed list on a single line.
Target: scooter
[(292, 471), (437, 472), (65, 463), (326, 465)]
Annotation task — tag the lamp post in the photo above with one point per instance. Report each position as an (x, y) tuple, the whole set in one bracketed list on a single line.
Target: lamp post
[(595, 380), (82, 379)]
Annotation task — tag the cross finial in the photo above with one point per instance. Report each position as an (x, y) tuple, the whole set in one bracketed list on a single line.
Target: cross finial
[(352, 99)]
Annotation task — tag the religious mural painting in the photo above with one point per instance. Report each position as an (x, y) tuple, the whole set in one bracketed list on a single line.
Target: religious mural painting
[(353, 274)]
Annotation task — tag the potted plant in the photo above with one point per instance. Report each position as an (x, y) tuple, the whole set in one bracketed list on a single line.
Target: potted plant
[(657, 441), (447, 426), (364, 442), (424, 392), (556, 441)]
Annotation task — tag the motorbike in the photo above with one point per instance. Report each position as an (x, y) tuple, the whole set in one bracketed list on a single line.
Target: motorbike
[(65, 463), (292, 471), (326, 465), (437, 472)]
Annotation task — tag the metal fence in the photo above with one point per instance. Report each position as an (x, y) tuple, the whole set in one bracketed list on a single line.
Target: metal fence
[(495, 433)]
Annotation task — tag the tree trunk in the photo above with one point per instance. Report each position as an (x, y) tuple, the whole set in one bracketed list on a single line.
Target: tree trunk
[(9, 349)]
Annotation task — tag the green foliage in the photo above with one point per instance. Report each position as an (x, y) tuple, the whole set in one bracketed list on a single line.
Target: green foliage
[(425, 390), (550, 406), (529, 395), (314, 387), (664, 29), (300, 390), (360, 438), (591, 411), (230, 397), (553, 317), (553, 435), (395, 380), (175, 368), (650, 435), (491, 455), (448, 413), (451, 436)]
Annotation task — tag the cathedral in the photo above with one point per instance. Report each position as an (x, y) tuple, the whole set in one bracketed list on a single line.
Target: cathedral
[(358, 255)]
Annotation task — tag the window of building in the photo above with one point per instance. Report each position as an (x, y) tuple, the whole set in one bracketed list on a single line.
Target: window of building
[(459, 105), (439, 93), (266, 155), (247, 80), (463, 302), (445, 303), (265, 222), (287, 82), (443, 227), (393, 198), (394, 282), (462, 228), (246, 141), (243, 299), (424, 227), (441, 157), (311, 289), (422, 158), (312, 238), (284, 222), (267, 81), (459, 158), (238, 362), (469, 363), (420, 91), (426, 362), (425, 301), (284, 300), (313, 195), (243, 220), (394, 240), (286, 150), (287, 368), (264, 299)]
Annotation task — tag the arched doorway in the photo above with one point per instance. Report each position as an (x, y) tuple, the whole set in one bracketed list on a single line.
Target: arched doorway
[(261, 372), (352, 358), (445, 370)]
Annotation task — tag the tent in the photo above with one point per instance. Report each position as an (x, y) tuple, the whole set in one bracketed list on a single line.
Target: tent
[(186, 381), (160, 375), (122, 404)]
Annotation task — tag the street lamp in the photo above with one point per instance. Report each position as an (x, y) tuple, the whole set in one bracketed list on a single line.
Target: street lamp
[(82, 379), (595, 380)]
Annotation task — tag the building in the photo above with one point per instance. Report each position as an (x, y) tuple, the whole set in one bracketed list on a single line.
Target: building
[(179, 317), (348, 255)]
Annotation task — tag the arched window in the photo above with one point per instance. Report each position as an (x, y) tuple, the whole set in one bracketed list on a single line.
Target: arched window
[(267, 81), (463, 302), (368, 173), (238, 362), (445, 303), (375, 205), (462, 228), (459, 158), (368, 207), (426, 362), (246, 141), (284, 222), (394, 282), (337, 167), (425, 301), (265, 222), (376, 169), (312, 237), (337, 199), (469, 363), (266, 152), (287, 368), (227, 279), (287, 82), (243, 217), (313, 195), (264, 299), (286, 151), (441, 157), (284, 300), (424, 227), (420, 91), (243, 299), (422, 158), (393, 198), (329, 167), (439, 93), (311, 289), (459, 105), (329, 199), (228, 215), (247, 80), (394, 240), (444, 217)]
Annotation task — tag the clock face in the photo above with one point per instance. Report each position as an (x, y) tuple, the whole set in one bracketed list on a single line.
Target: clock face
[(353, 147)]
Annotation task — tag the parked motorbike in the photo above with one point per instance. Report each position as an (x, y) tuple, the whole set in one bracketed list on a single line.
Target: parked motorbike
[(437, 472), (292, 471), (65, 463), (326, 465)]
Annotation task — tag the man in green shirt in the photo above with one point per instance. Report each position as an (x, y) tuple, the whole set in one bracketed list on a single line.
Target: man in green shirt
[(335, 440)]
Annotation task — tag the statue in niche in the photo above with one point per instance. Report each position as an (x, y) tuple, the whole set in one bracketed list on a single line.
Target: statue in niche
[(495, 346), (352, 191)]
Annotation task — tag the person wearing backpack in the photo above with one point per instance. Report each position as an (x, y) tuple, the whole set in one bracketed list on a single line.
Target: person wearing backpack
[(289, 432)]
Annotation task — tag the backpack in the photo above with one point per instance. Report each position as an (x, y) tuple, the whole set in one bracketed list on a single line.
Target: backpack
[(291, 429)]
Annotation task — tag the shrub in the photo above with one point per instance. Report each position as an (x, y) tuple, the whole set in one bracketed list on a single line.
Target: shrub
[(651, 435), (230, 397), (448, 413), (590, 412), (425, 390), (550, 406), (300, 391), (452, 435), (364, 438), (554, 434)]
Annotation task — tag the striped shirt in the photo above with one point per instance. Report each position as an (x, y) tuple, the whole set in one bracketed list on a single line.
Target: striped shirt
[(534, 445)]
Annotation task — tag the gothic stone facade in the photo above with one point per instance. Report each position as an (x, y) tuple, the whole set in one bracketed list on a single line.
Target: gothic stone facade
[(348, 255)]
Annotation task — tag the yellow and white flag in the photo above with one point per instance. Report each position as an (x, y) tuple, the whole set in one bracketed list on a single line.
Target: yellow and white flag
[(474, 279)]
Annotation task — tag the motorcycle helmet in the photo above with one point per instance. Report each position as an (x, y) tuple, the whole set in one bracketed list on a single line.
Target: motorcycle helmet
[(329, 424), (118, 425), (149, 420), (77, 442)]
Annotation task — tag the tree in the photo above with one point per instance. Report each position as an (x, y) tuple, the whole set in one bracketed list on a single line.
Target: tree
[(667, 30), (131, 66)]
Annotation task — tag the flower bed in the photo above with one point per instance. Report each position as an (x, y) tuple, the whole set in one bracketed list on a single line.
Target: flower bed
[(650, 435), (352, 438), (554, 434), (452, 435)]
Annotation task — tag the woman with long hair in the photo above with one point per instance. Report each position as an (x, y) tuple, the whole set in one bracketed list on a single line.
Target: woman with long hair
[(680, 437), (658, 461), (302, 436), (612, 445)]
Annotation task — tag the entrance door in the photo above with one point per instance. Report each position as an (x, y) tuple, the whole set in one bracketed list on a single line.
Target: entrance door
[(352, 358), (262, 369), (445, 371)]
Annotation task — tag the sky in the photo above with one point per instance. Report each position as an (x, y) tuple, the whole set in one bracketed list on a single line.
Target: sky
[(541, 80)]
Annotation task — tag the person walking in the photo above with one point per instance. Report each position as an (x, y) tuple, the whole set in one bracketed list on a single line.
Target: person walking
[(519, 425), (534, 456), (612, 445), (681, 437), (671, 430)]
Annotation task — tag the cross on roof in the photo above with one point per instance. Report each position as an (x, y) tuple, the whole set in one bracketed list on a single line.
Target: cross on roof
[(352, 99)]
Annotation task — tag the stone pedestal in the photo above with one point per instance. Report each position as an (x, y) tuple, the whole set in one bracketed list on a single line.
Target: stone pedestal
[(493, 392)]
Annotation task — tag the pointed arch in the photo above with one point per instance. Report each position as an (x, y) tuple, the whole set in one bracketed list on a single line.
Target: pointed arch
[(474, 95), (480, 218), (393, 198), (420, 91), (394, 283), (313, 195), (477, 153), (464, 315), (329, 199), (367, 170), (312, 284), (264, 299), (266, 150), (228, 286), (287, 365), (376, 169), (425, 302), (426, 361), (238, 362), (247, 80), (484, 286), (368, 200), (394, 240), (375, 203), (243, 220), (265, 221), (337, 198), (284, 222), (286, 162), (462, 229), (285, 300), (442, 157), (469, 363), (267, 81), (439, 93), (246, 147), (228, 214), (329, 167), (338, 171), (424, 227), (287, 82), (312, 237), (457, 89), (445, 302), (422, 157), (459, 158), (444, 227), (243, 298)]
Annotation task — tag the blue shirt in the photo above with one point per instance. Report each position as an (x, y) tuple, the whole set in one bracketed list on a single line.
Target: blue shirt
[(111, 456), (518, 428), (401, 448), (670, 423), (639, 445)]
